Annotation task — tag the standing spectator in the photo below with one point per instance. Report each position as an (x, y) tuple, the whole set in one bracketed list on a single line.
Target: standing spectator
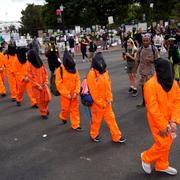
[(71, 45), (130, 57), (174, 57), (145, 60), (162, 97), (104, 41), (52, 55), (36, 45), (92, 49), (84, 49), (158, 40), (138, 38)]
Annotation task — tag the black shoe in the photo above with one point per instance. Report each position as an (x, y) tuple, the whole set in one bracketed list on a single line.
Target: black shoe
[(64, 121), (44, 117), (121, 140), (142, 105), (130, 90), (96, 139), (79, 129), (34, 106), (18, 103), (134, 93), (13, 99), (3, 95)]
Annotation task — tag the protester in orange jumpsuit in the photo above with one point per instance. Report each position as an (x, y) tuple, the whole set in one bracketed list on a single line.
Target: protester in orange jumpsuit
[(68, 84), (23, 83), (162, 97), (100, 89), (2, 74), (10, 59), (37, 75)]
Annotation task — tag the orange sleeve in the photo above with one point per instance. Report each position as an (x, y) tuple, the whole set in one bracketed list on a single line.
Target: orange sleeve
[(153, 106), (78, 83), (176, 106), (60, 85), (92, 85)]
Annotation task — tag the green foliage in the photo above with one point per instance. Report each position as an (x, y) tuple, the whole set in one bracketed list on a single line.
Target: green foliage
[(91, 12), (31, 19)]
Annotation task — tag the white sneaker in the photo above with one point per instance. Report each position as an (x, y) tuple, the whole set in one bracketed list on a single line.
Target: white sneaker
[(146, 167), (170, 171)]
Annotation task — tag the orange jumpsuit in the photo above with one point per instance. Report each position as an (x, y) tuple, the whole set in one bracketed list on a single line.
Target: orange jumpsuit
[(38, 77), (9, 64), (162, 107), (20, 73), (100, 90), (2, 75), (68, 85)]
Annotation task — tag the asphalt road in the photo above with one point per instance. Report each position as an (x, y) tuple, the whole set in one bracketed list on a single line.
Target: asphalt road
[(67, 155)]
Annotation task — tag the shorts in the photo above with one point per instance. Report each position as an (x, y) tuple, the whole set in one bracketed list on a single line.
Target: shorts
[(131, 67)]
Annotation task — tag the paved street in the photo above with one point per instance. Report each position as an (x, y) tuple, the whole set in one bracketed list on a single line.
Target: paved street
[(67, 155)]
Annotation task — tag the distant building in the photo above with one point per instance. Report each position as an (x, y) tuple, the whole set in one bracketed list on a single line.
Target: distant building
[(4, 25)]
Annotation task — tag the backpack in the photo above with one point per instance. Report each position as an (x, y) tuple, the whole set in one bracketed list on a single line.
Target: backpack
[(86, 98), (53, 87)]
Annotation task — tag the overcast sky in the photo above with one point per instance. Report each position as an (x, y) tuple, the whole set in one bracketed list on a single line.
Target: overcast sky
[(10, 10)]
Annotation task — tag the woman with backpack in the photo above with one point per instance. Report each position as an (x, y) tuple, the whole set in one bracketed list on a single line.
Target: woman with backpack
[(100, 89), (68, 85)]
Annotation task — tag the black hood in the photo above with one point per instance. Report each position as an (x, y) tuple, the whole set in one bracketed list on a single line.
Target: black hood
[(21, 54), (99, 63), (11, 50), (68, 62), (164, 73), (34, 59)]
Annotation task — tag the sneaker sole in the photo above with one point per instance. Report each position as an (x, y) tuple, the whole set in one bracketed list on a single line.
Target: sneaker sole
[(143, 164)]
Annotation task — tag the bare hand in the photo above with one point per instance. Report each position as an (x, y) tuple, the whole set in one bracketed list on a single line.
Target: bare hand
[(69, 96), (26, 79), (163, 133), (40, 88), (74, 96), (173, 126), (1, 70), (108, 103)]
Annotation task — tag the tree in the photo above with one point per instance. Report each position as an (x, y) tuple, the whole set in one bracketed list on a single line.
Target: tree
[(31, 20)]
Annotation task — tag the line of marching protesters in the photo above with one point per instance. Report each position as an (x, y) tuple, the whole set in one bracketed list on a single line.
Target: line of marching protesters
[(25, 71)]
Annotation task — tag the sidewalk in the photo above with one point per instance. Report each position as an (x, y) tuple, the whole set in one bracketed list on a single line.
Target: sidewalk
[(110, 49)]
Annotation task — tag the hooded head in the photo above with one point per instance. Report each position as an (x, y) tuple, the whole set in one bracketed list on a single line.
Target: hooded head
[(11, 49), (99, 63), (68, 62), (21, 54), (164, 73), (34, 59)]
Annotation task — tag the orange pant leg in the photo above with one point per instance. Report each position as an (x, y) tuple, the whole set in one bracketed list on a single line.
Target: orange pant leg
[(159, 152), (12, 84), (65, 106), (74, 113), (43, 108), (97, 115), (112, 124), (20, 91), (42, 105), (2, 84), (30, 93)]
